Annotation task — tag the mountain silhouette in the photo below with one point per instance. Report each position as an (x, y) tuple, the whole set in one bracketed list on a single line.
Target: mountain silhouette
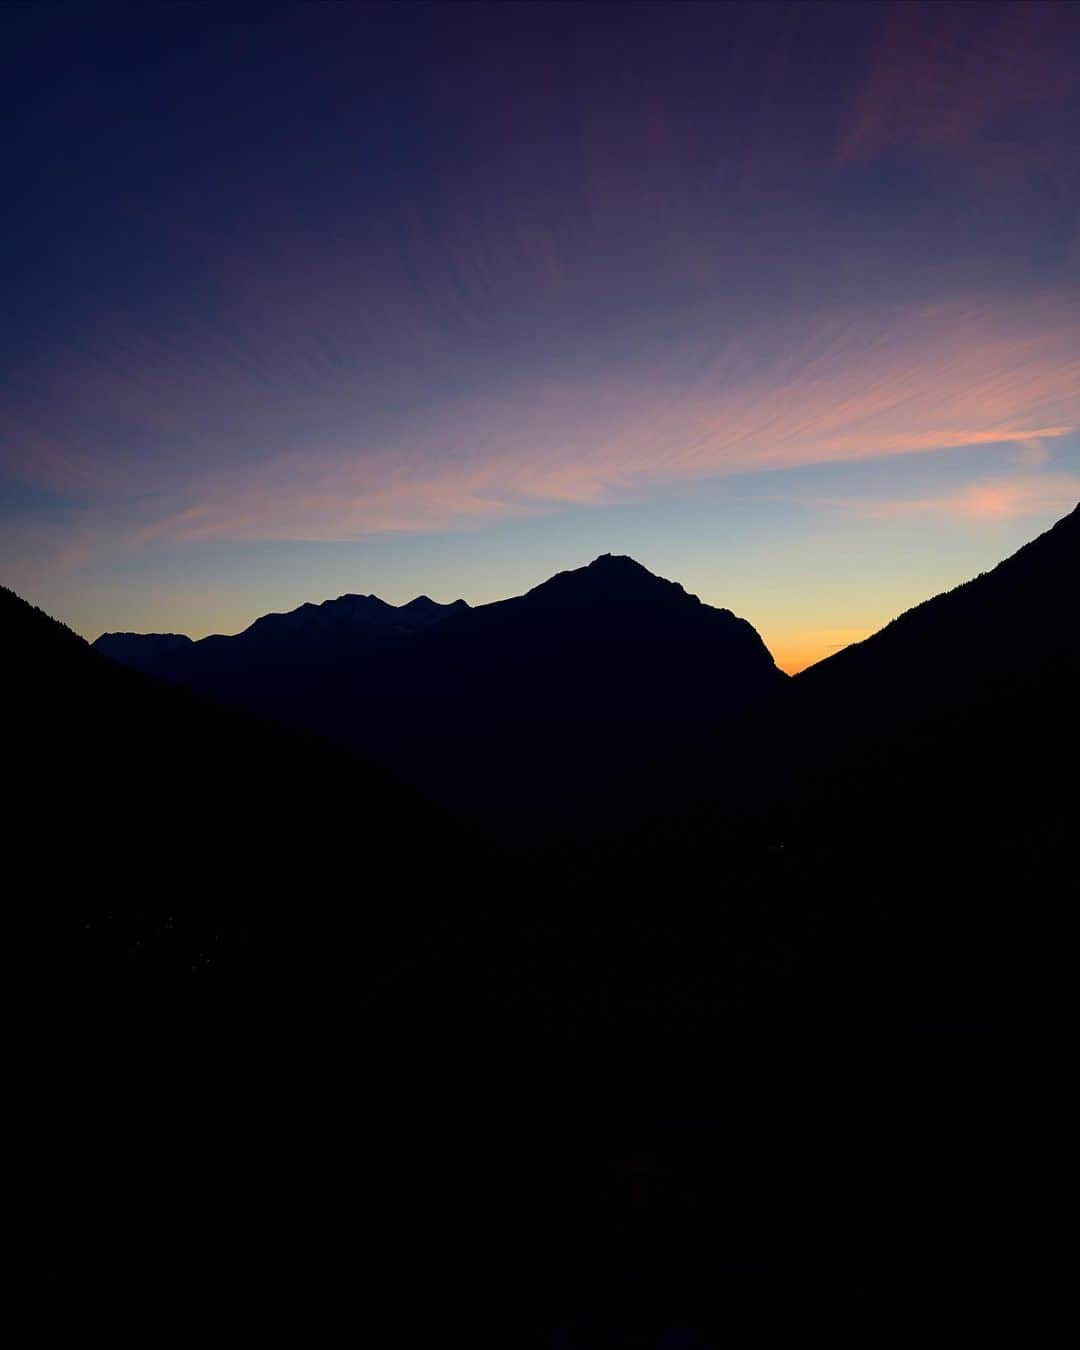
[(286, 980), (978, 682), (148, 652), (917, 791), (1002, 625), (766, 1049), (898, 824), (514, 703), (214, 903), (334, 631), (182, 807), (355, 614), (1000, 642)]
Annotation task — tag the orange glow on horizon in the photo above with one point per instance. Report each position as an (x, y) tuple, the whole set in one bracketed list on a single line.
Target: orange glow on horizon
[(796, 651)]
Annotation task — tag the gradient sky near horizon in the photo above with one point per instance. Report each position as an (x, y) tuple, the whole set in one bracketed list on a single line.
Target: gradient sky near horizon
[(781, 299)]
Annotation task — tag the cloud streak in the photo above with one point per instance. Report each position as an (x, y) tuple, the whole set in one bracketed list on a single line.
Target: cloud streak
[(990, 499), (846, 389)]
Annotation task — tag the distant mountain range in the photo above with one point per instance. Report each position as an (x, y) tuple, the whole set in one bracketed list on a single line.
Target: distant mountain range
[(357, 619), (515, 703), (600, 675), (800, 966)]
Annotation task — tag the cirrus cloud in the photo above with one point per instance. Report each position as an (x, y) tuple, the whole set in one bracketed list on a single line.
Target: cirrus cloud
[(986, 500), (845, 388)]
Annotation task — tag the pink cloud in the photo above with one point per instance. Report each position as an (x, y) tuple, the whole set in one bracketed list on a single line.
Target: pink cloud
[(989, 500), (851, 385), (846, 388)]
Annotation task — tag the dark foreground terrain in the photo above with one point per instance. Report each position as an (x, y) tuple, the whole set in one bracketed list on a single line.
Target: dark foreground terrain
[(764, 1041)]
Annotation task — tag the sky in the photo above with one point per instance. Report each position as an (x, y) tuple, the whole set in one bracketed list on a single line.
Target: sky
[(783, 300)]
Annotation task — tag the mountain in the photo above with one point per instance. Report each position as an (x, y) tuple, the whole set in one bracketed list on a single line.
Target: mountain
[(945, 744), (214, 904), (899, 825), (269, 972), (514, 704), (1005, 644), (333, 630), (918, 793), (774, 1055), (145, 801), (1001, 626), (353, 614), (148, 652), (952, 706)]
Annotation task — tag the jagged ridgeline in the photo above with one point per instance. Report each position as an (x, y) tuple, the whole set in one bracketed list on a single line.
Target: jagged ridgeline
[(518, 703)]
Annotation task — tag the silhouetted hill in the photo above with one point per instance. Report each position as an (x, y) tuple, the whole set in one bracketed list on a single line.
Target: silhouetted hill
[(1004, 624), (945, 744), (900, 824), (919, 792), (148, 652), (967, 701), (511, 704), (290, 991), (998, 642), (766, 1056), (216, 904), (172, 832)]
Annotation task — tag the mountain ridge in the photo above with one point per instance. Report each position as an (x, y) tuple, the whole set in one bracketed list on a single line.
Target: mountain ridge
[(512, 699), (418, 610), (608, 577), (1056, 547)]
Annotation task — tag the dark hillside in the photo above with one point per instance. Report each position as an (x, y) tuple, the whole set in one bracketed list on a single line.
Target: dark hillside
[(214, 901), (764, 1060)]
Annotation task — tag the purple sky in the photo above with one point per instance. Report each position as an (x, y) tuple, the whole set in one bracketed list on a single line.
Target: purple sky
[(784, 300)]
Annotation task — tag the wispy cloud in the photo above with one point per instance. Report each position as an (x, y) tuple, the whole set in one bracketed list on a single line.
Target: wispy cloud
[(1033, 453), (850, 388), (987, 500)]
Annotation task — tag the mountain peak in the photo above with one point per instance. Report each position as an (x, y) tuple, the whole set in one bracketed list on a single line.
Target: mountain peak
[(618, 564), (423, 612), (612, 580), (346, 610), (424, 604)]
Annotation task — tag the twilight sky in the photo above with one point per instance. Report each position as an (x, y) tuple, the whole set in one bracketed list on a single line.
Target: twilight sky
[(781, 299)]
